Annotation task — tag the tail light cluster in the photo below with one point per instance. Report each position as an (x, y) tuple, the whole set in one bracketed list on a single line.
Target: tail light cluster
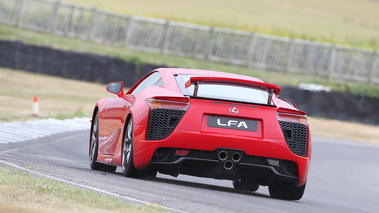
[(301, 119), (167, 104)]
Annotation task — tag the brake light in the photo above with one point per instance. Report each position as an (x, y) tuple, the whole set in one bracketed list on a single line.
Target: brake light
[(165, 104), (302, 119)]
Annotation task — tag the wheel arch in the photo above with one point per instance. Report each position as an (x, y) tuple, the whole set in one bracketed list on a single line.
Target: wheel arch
[(124, 132), (95, 110), (126, 124)]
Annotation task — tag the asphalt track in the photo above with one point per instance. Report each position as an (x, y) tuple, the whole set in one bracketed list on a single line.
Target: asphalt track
[(344, 177)]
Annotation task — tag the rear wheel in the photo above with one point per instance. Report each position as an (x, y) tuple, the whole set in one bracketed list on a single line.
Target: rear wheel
[(286, 191), (245, 185), (94, 148), (128, 169)]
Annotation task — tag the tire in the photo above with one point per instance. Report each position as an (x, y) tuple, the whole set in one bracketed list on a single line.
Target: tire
[(94, 147), (128, 169), (94, 143), (245, 186), (286, 191)]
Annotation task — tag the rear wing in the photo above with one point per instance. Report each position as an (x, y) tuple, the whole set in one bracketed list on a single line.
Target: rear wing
[(270, 88)]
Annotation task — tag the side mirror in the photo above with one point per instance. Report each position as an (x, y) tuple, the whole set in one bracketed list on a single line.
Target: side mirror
[(116, 87), (290, 102)]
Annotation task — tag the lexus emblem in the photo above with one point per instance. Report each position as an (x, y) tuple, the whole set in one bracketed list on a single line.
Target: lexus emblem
[(233, 110)]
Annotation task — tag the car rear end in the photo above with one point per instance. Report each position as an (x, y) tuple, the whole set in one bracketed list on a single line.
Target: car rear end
[(228, 129)]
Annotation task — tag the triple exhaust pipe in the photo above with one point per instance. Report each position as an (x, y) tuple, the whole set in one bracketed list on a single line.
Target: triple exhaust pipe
[(229, 158)]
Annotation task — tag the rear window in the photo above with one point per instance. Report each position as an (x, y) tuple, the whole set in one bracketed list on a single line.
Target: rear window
[(223, 91)]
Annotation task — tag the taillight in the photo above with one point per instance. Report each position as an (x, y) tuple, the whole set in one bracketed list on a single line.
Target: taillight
[(302, 119), (166, 104)]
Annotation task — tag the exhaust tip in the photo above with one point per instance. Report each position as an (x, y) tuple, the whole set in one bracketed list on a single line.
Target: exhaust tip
[(236, 157), (228, 165), (222, 155)]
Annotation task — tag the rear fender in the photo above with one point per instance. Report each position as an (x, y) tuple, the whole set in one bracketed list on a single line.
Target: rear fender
[(91, 130)]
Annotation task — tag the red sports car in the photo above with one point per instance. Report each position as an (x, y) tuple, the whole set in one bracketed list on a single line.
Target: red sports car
[(206, 124)]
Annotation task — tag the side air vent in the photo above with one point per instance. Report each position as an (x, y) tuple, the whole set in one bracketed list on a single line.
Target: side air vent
[(162, 123), (296, 137)]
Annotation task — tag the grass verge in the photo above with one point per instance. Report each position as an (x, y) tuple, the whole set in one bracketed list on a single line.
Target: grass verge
[(344, 130), (20, 192), (336, 21), (58, 98), (10, 33)]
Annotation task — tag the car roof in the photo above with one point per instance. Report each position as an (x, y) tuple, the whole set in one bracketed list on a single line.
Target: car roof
[(182, 71)]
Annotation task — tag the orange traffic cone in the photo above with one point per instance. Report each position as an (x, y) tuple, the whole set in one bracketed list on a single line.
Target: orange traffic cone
[(35, 111)]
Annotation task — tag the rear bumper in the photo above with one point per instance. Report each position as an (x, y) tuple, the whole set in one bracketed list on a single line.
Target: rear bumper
[(210, 166)]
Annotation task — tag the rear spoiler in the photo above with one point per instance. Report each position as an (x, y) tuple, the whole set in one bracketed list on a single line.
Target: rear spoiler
[(271, 88)]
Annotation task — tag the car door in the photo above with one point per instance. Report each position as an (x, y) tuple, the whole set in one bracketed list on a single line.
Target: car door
[(115, 113)]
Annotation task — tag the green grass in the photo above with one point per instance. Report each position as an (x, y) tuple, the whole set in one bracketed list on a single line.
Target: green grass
[(58, 98), (346, 22), (20, 192), (139, 57)]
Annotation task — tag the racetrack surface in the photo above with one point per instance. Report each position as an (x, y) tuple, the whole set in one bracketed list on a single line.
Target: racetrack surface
[(343, 178)]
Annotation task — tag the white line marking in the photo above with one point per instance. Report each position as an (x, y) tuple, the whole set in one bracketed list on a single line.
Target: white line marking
[(88, 187)]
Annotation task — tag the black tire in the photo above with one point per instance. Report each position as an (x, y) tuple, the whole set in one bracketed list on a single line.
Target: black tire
[(94, 143), (286, 191), (128, 169), (245, 186), (94, 147)]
